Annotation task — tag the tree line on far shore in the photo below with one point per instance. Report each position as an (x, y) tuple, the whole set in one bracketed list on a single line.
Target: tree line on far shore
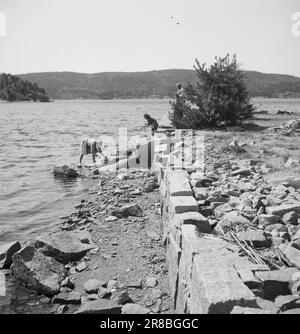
[(14, 89)]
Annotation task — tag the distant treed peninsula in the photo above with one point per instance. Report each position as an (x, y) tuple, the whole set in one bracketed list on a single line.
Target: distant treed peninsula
[(130, 85), (12, 89)]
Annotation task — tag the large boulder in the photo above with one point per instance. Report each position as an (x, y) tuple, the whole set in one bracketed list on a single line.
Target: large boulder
[(6, 253), (65, 171), (63, 246), (38, 272)]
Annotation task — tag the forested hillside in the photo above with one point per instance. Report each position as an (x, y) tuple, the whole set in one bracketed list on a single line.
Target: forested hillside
[(71, 85), (13, 88)]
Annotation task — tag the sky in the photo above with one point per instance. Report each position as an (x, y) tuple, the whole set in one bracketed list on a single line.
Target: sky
[(140, 35)]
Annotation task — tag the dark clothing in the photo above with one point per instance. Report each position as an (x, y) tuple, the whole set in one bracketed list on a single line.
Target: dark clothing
[(153, 123)]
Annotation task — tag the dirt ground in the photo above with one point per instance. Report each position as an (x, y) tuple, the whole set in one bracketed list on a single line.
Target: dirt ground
[(129, 250), (259, 141)]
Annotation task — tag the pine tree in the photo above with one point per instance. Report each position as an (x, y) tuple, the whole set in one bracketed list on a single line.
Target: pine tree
[(219, 98)]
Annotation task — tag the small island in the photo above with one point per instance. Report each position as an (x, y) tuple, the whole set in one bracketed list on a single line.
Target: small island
[(14, 89)]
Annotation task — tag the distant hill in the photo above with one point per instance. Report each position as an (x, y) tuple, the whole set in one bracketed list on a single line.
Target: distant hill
[(157, 84), (13, 88)]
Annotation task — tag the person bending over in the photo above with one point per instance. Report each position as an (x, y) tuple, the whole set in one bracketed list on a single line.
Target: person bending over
[(151, 122), (91, 146)]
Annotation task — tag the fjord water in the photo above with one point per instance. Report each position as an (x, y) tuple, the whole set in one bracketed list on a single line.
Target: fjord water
[(36, 136)]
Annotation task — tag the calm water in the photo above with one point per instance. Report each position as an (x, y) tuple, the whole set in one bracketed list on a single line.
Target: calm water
[(35, 137)]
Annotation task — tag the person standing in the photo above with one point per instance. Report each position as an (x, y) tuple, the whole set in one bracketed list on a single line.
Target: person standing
[(180, 94)]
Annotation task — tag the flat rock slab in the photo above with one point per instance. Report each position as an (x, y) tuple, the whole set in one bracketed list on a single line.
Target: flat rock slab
[(193, 218), (218, 290), (67, 298), (181, 204), (179, 184), (280, 210), (6, 253), (100, 306), (256, 238), (38, 272), (276, 282), (63, 246)]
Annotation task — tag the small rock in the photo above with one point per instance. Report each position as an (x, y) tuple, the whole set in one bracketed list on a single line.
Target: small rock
[(112, 284), (290, 218), (81, 266), (111, 219), (104, 293), (156, 293), (62, 309), (129, 210), (124, 298), (67, 282), (65, 171), (134, 309), (92, 297), (153, 235), (135, 284), (91, 286), (151, 282), (242, 171)]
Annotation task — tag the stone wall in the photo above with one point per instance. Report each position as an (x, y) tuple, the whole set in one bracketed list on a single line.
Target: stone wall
[(207, 275)]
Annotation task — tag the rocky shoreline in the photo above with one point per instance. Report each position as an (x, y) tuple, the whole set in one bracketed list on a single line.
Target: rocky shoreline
[(110, 255), (228, 227), (106, 257)]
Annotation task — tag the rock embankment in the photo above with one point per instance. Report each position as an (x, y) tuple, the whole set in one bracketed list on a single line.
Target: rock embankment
[(233, 238)]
